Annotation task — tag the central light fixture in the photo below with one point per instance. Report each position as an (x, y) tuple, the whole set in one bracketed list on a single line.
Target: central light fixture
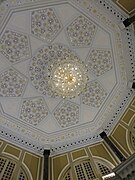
[(68, 78)]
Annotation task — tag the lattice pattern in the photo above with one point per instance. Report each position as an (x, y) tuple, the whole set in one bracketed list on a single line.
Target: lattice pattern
[(15, 46), (133, 140), (132, 135), (12, 83), (81, 31), (8, 171), (89, 170), (133, 128), (2, 163), (22, 176), (80, 172), (67, 114), (94, 95), (41, 64), (33, 110), (45, 24), (99, 61), (67, 176), (103, 169)]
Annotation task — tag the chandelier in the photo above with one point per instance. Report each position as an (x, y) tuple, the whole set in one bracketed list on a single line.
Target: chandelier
[(68, 77)]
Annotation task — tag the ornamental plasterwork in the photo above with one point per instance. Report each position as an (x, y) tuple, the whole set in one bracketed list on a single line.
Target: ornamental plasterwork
[(99, 61), (94, 95), (15, 46), (42, 63), (81, 32), (12, 83), (33, 110), (45, 24), (41, 138), (105, 60), (67, 114), (90, 7)]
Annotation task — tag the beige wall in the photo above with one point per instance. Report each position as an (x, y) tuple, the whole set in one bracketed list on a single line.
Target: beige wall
[(59, 164), (127, 5), (30, 162), (120, 137)]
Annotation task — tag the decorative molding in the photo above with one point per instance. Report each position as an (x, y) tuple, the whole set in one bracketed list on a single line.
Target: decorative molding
[(118, 98)]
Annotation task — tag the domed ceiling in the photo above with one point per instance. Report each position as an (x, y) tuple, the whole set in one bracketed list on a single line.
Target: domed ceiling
[(35, 35)]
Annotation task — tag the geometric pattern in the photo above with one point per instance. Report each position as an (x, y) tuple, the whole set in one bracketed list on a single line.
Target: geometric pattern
[(133, 141), (132, 135), (45, 24), (81, 32), (133, 128), (99, 61), (80, 171), (94, 94), (33, 110), (14, 46), (12, 83), (8, 170), (67, 176), (78, 27), (41, 64), (2, 163), (22, 176), (89, 171), (103, 169), (67, 114)]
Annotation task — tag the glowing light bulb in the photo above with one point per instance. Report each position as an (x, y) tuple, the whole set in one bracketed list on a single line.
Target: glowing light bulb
[(68, 78)]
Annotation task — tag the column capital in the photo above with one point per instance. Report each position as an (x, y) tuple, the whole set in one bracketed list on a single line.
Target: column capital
[(129, 21), (46, 152), (103, 134)]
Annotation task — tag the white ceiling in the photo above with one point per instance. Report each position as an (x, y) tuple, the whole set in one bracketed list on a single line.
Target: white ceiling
[(34, 33)]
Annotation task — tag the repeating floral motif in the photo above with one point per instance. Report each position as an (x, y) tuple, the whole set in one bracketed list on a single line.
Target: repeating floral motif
[(33, 110), (12, 83), (15, 46), (67, 114), (89, 7), (99, 61), (45, 24), (42, 63), (94, 95), (81, 31)]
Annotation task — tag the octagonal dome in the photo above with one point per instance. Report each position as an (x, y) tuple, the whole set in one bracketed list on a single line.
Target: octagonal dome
[(35, 34)]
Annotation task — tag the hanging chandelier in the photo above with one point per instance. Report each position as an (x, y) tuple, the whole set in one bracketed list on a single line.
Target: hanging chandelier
[(68, 78)]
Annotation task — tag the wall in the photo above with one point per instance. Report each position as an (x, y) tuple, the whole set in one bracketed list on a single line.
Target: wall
[(123, 135), (70, 165), (127, 5), (29, 163)]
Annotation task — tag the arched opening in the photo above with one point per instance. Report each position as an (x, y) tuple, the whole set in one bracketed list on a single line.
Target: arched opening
[(10, 168)]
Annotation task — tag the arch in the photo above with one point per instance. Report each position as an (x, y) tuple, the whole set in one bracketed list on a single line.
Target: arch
[(131, 135), (103, 166), (84, 169), (8, 166), (104, 161), (22, 175), (65, 171), (68, 175)]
